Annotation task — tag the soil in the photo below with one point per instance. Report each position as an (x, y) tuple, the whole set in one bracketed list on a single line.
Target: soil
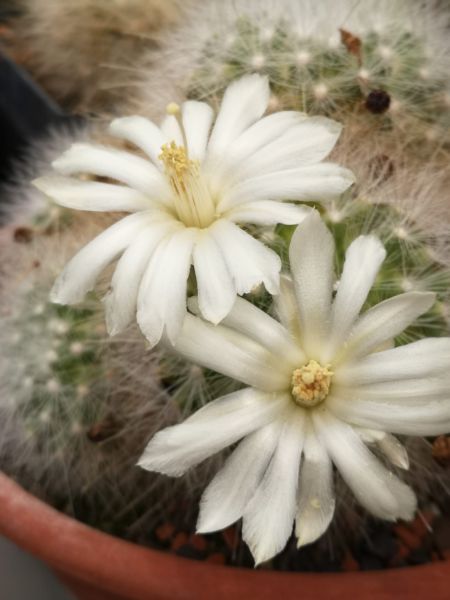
[(383, 546)]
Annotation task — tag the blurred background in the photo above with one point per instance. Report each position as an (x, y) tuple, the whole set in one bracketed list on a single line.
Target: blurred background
[(25, 578)]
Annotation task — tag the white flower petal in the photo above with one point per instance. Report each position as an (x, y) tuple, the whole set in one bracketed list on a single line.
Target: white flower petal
[(306, 143), (369, 436), (409, 390), (268, 213), (261, 133), (120, 302), (122, 166), (81, 272), (197, 120), (216, 292), (311, 256), (429, 418), (376, 488), (244, 102), (258, 325), (316, 496), (269, 515), (162, 294), (363, 259), (419, 359), (226, 497), (394, 451), (316, 182), (217, 425), (249, 261), (142, 133), (230, 353), (386, 320), (171, 131), (93, 195), (285, 305)]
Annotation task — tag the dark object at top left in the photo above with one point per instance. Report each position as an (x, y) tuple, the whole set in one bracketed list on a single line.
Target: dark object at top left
[(26, 113)]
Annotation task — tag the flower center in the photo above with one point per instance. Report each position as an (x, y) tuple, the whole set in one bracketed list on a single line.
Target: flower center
[(310, 384), (193, 202)]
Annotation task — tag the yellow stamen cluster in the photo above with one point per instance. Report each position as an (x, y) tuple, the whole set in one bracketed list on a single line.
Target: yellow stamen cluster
[(176, 161), (193, 203), (311, 384)]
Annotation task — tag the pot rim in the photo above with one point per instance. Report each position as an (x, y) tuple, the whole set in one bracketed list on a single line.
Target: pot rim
[(81, 553)]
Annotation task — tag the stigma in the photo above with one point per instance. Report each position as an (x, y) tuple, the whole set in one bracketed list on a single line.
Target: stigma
[(310, 384)]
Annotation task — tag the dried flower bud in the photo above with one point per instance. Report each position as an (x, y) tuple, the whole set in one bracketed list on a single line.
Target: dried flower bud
[(103, 430), (378, 101), (23, 235), (351, 42), (441, 450)]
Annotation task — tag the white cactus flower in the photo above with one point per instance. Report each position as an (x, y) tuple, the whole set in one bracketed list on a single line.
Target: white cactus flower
[(200, 184), (322, 387)]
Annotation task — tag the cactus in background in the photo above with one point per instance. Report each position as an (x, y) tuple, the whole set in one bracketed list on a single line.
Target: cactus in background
[(381, 68), (78, 407)]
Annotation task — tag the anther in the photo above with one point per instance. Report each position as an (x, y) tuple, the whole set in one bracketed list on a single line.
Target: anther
[(311, 384)]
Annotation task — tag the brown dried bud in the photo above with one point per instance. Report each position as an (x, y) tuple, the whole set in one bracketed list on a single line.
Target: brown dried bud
[(103, 430), (378, 101), (23, 235), (352, 43), (441, 450)]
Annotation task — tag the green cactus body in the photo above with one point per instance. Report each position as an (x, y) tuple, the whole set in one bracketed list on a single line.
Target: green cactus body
[(339, 81)]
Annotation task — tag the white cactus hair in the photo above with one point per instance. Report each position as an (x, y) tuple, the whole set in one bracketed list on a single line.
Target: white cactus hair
[(67, 434), (386, 174), (19, 202), (202, 55)]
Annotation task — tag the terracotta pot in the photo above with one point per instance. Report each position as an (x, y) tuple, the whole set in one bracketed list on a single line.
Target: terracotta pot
[(97, 566)]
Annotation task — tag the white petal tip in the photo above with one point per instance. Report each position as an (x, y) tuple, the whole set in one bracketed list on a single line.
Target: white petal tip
[(262, 555), (429, 298), (304, 538), (153, 464), (114, 325), (113, 330), (211, 524), (203, 528), (254, 78), (214, 318), (56, 297), (152, 336), (115, 122), (260, 560), (402, 462), (41, 183), (147, 464), (272, 287), (151, 343), (172, 333), (304, 542), (349, 176), (59, 163)]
